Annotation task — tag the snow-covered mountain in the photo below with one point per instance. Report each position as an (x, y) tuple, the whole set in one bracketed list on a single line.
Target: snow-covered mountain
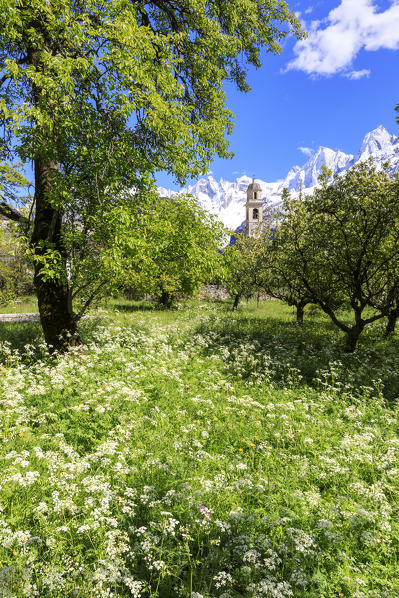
[(226, 199)]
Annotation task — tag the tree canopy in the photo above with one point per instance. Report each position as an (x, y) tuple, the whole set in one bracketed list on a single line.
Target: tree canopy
[(344, 244), (101, 95), (244, 265), (177, 248), (279, 276), (155, 246), (71, 70)]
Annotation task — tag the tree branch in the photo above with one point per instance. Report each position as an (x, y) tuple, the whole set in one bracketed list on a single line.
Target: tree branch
[(11, 213)]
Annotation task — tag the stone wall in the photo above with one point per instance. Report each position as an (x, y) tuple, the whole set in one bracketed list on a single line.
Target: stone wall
[(213, 291)]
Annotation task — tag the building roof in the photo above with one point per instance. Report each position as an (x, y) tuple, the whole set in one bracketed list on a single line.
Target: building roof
[(254, 186)]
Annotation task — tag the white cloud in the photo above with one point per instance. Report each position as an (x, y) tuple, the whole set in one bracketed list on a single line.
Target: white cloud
[(334, 42), (306, 150), (358, 74)]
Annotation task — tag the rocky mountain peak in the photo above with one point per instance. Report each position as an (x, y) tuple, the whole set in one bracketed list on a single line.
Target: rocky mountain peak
[(226, 199), (308, 175), (377, 141)]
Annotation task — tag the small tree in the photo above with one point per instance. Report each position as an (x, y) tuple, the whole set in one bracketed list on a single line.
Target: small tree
[(243, 267), (345, 240), (96, 263), (173, 248), (280, 278)]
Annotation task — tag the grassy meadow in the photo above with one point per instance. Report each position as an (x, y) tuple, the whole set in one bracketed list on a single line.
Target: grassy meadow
[(199, 453), (21, 305)]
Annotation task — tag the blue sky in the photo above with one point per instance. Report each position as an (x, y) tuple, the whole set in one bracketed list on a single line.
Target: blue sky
[(329, 90)]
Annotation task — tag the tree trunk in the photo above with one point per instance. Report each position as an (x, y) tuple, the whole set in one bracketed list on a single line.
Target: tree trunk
[(299, 313), (391, 324), (166, 300), (56, 317), (352, 336), (237, 298)]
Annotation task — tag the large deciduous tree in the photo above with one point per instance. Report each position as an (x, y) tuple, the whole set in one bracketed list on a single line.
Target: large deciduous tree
[(99, 95)]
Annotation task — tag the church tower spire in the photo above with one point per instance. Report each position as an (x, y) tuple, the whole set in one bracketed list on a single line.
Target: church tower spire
[(254, 209)]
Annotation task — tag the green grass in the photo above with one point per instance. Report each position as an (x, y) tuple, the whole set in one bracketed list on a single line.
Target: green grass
[(199, 452), (24, 304)]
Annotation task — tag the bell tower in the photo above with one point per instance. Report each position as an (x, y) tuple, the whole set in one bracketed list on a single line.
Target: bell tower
[(254, 209)]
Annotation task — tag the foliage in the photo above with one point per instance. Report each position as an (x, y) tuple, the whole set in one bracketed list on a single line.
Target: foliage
[(92, 65), (101, 95), (11, 182), (177, 248), (245, 264), (15, 279), (279, 275), (15, 275), (15, 272), (150, 245), (177, 456), (345, 244)]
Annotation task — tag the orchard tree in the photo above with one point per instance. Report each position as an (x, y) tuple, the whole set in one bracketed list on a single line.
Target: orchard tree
[(101, 95), (247, 259), (243, 266), (174, 249), (345, 242), (156, 246), (280, 278)]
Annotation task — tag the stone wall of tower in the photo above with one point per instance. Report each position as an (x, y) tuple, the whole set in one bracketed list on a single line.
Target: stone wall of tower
[(254, 210), (252, 229)]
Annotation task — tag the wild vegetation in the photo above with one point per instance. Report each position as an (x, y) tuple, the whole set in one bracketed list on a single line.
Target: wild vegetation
[(194, 452)]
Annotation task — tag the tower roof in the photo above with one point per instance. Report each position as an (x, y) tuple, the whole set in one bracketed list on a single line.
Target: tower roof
[(254, 187)]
